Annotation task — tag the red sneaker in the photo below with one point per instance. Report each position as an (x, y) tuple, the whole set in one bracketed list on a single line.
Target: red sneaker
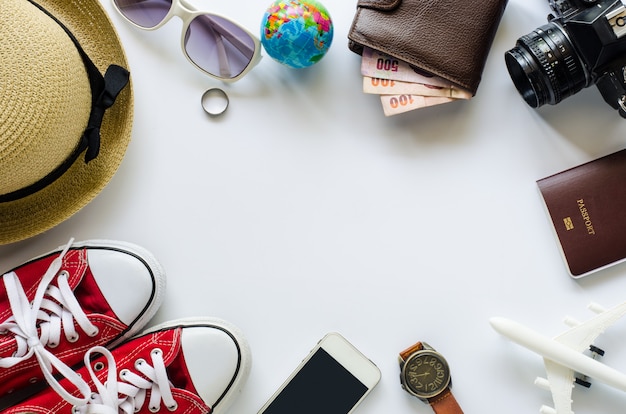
[(57, 306), (189, 366)]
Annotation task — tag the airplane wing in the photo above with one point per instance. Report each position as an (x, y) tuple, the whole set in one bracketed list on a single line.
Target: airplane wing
[(580, 337), (561, 382)]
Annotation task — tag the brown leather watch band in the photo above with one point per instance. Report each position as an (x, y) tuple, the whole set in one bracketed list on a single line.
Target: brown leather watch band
[(413, 348), (445, 403)]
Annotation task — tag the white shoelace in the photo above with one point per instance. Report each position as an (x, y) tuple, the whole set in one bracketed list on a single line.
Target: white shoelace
[(52, 309), (128, 395)]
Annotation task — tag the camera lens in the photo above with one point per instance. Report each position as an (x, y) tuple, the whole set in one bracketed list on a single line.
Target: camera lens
[(544, 66)]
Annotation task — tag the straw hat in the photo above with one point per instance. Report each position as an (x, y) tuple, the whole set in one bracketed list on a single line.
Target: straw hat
[(46, 111)]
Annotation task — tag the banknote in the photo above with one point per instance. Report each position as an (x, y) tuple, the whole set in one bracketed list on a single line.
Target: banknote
[(403, 89), (379, 65), (397, 104), (382, 86)]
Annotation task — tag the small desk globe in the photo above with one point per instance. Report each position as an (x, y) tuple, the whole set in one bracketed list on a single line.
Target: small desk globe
[(296, 33)]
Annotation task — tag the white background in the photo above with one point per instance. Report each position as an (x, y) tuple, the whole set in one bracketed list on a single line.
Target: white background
[(304, 210)]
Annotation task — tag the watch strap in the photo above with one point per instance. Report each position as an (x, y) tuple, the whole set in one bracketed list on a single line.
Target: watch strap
[(445, 403), (413, 348)]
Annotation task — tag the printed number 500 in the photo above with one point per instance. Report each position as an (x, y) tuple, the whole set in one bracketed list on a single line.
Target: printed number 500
[(387, 64)]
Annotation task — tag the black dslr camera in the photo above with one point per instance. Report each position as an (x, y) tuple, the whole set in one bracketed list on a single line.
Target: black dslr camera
[(584, 43)]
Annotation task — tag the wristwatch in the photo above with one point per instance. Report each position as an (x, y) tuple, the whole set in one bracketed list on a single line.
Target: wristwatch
[(425, 374)]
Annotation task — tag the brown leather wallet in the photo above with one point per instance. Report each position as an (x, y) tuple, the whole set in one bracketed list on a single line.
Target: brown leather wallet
[(447, 38)]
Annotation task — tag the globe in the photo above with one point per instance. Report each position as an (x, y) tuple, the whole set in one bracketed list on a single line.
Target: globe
[(296, 33)]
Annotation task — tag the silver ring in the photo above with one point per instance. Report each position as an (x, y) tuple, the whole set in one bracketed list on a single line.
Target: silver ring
[(214, 101)]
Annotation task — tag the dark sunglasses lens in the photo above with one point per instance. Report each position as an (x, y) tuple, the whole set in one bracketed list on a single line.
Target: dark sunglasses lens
[(219, 46), (144, 13)]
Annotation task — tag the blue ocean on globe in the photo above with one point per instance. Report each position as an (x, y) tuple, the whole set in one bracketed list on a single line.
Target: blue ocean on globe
[(297, 33)]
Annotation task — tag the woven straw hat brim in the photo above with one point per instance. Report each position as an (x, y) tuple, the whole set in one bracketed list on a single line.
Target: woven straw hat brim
[(34, 214)]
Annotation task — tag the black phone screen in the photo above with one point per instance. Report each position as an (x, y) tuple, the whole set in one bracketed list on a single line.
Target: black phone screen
[(323, 385)]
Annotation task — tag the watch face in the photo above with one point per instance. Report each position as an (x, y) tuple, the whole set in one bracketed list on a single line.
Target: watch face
[(425, 374)]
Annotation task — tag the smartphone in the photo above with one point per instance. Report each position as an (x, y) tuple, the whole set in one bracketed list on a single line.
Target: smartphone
[(334, 378)]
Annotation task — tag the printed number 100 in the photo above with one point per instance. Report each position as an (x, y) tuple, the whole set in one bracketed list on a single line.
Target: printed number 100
[(402, 100), (385, 83)]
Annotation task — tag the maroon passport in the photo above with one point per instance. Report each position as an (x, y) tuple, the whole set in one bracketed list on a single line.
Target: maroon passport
[(587, 206)]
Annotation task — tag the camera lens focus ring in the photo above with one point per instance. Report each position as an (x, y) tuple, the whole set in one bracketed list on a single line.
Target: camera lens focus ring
[(541, 51), (544, 66)]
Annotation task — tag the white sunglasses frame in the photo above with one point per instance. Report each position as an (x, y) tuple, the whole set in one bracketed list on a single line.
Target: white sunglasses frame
[(187, 12)]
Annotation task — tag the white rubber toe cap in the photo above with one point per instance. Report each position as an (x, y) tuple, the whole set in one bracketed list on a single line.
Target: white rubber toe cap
[(130, 278), (218, 361)]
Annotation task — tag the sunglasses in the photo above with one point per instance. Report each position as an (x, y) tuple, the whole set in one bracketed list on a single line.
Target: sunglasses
[(214, 44)]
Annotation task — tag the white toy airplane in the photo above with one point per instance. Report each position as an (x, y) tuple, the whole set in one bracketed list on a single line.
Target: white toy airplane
[(563, 356)]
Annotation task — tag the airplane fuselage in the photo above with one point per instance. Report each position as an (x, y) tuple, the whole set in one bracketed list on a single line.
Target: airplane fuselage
[(559, 353)]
